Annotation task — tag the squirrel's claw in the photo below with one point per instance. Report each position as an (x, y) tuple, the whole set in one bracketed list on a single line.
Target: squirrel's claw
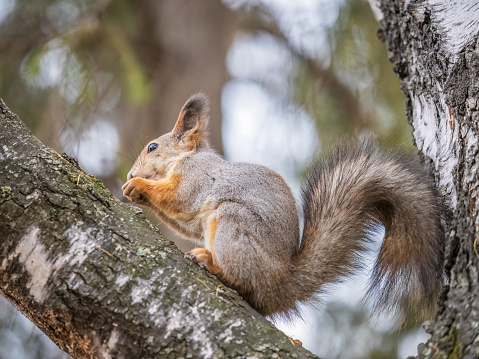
[(204, 259), (201, 256), (133, 189)]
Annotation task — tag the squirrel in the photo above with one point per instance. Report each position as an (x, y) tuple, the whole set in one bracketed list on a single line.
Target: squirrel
[(246, 216)]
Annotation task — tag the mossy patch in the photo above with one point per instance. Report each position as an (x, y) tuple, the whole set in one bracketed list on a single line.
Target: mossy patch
[(5, 191), (455, 344)]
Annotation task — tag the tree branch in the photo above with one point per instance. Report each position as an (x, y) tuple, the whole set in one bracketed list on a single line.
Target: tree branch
[(95, 276)]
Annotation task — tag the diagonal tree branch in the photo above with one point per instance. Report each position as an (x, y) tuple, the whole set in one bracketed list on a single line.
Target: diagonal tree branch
[(95, 276)]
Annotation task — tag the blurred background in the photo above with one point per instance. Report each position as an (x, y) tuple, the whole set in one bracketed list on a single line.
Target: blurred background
[(98, 79)]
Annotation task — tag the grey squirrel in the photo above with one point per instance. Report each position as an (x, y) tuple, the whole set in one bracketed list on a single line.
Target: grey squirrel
[(246, 217)]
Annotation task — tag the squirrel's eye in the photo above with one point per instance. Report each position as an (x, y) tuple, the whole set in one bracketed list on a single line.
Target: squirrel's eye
[(152, 147)]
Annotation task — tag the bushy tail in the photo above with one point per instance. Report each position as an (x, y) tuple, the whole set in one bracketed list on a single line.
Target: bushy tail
[(343, 198)]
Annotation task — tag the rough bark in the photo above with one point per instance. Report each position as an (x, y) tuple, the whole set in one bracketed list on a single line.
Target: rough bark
[(99, 279), (435, 48)]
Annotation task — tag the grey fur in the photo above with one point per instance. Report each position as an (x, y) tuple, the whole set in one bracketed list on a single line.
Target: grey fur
[(256, 241), (360, 186)]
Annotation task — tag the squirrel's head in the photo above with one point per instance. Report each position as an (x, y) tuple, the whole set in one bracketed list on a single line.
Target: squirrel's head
[(188, 136)]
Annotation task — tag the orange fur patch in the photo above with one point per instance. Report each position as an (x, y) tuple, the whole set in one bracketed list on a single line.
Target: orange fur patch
[(213, 226), (194, 141), (204, 257), (163, 195), (180, 122)]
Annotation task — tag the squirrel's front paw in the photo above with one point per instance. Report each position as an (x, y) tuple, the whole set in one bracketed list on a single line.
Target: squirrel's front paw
[(203, 257), (136, 191)]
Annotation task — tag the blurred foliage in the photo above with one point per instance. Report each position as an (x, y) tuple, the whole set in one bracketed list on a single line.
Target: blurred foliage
[(350, 335), (354, 90), (345, 332), (69, 47)]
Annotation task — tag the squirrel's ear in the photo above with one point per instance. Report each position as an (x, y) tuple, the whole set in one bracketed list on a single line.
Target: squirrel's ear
[(193, 120)]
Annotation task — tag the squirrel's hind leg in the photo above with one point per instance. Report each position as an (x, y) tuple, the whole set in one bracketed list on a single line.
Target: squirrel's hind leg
[(248, 263)]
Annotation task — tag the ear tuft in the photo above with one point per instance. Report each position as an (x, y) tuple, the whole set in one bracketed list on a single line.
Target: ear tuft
[(198, 103), (193, 120)]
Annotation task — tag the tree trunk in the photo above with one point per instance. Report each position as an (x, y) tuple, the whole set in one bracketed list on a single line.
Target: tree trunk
[(434, 46), (99, 279)]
